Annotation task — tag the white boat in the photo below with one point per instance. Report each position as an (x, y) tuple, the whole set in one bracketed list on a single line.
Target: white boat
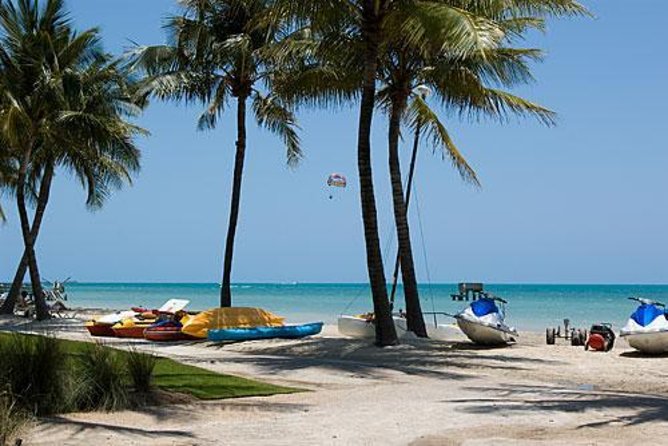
[(647, 328), (483, 322), (445, 332), (363, 327)]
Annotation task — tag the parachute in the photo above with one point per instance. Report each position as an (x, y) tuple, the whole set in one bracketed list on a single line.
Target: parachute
[(336, 180)]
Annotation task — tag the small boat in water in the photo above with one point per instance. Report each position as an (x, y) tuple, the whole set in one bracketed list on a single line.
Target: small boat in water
[(483, 321), (647, 328), (255, 333)]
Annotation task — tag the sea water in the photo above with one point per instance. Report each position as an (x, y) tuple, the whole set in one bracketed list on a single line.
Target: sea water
[(530, 307)]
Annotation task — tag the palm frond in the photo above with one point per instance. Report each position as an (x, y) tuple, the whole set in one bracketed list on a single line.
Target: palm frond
[(420, 115), (278, 119)]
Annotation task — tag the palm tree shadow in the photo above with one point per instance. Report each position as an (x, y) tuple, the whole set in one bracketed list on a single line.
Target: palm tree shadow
[(637, 354), (416, 357), (638, 408)]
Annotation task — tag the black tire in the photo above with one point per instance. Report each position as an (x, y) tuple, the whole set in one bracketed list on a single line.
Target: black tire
[(610, 345), (576, 338), (550, 337)]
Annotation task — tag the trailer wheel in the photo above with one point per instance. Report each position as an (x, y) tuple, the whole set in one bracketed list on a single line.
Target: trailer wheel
[(550, 336)]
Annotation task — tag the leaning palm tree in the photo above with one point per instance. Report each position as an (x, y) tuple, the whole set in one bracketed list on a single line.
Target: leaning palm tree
[(65, 104), (460, 83), (465, 84), (221, 51)]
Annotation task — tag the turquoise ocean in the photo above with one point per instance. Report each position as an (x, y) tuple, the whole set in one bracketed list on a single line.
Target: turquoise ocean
[(530, 307)]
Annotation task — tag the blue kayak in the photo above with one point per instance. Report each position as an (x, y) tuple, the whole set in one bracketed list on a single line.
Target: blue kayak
[(249, 334)]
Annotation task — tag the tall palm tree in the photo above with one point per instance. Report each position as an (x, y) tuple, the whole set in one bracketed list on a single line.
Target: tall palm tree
[(65, 104), (354, 34), (223, 51)]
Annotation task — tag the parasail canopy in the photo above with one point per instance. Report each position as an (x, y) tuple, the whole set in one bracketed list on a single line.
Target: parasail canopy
[(337, 180)]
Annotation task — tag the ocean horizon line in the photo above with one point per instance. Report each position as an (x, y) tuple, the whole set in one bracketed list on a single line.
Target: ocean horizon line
[(297, 283)]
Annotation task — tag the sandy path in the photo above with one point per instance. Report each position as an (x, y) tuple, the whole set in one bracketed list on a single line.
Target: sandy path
[(423, 393)]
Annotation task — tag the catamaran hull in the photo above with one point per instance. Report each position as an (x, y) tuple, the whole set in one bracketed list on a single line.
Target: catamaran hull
[(484, 334), (361, 328), (652, 343)]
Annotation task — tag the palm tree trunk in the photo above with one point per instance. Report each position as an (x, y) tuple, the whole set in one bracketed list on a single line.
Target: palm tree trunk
[(12, 297), (41, 309), (42, 201), (409, 188), (414, 318), (226, 288), (385, 331)]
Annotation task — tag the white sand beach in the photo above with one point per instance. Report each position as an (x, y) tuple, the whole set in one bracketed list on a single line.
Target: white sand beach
[(420, 393)]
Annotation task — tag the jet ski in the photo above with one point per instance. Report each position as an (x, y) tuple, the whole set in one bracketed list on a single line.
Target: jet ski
[(647, 328), (483, 321)]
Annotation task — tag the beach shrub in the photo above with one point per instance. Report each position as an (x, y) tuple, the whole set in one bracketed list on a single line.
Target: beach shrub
[(33, 371), (140, 367), (12, 420), (101, 380)]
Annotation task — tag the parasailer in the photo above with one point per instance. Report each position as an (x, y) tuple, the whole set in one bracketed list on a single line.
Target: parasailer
[(336, 181)]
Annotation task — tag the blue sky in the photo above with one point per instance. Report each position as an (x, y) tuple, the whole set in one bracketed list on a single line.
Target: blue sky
[(580, 203)]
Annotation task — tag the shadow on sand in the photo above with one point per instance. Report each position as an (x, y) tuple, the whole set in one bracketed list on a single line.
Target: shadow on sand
[(413, 357), (640, 409)]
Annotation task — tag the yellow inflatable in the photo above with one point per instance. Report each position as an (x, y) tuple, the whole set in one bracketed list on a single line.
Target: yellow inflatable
[(235, 317)]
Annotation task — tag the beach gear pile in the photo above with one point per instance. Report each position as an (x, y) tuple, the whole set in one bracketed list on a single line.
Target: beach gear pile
[(172, 323)]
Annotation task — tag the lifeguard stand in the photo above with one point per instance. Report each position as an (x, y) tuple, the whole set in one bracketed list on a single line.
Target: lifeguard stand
[(469, 291)]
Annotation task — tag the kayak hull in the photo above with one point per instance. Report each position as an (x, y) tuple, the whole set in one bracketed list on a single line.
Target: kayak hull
[(100, 330), (136, 332), (256, 333), (166, 334)]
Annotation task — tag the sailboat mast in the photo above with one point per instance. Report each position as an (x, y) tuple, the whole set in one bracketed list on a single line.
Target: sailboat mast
[(422, 91)]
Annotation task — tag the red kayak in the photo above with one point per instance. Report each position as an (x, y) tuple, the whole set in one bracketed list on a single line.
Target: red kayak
[(104, 330), (136, 331), (166, 334)]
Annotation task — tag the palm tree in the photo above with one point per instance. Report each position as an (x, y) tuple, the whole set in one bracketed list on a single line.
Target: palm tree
[(461, 84), (65, 105), (458, 82), (352, 37), (223, 51)]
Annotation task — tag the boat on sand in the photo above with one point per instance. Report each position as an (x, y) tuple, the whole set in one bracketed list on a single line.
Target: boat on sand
[(256, 333), (363, 326), (483, 322), (647, 328)]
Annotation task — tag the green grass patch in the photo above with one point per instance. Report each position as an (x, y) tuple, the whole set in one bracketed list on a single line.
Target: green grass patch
[(173, 376)]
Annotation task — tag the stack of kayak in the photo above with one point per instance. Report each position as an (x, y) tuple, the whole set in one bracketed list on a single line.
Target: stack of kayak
[(172, 323), (162, 324)]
